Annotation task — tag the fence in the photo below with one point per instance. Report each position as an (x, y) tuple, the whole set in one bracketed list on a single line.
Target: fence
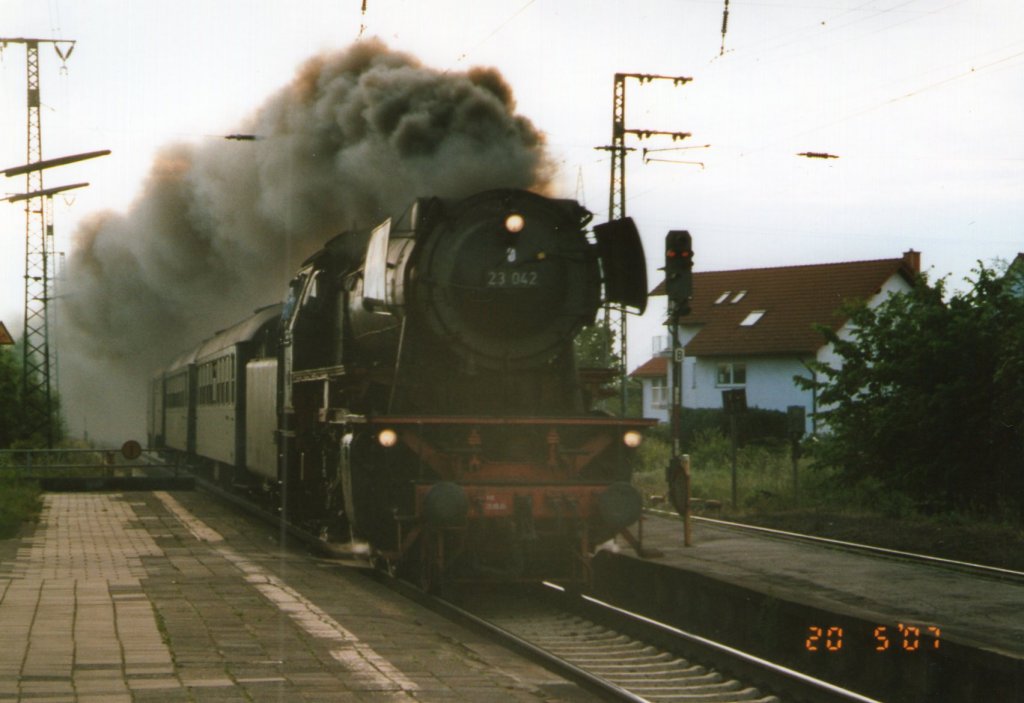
[(124, 469)]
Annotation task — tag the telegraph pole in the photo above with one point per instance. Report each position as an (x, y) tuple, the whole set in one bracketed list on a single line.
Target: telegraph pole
[(36, 389), (615, 315)]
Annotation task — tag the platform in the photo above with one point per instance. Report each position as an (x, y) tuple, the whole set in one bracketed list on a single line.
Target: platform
[(171, 597), (868, 622)]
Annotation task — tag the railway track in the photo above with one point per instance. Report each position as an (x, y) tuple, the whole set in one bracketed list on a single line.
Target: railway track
[(617, 655), (622, 656), (963, 566)]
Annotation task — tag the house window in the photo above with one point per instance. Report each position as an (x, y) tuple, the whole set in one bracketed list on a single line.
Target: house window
[(738, 297), (723, 297), (753, 318), (731, 375), (659, 392)]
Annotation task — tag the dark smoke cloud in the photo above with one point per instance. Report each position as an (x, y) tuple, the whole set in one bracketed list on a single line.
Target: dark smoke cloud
[(219, 227)]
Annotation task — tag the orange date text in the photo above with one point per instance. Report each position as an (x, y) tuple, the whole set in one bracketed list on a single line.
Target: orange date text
[(902, 637)]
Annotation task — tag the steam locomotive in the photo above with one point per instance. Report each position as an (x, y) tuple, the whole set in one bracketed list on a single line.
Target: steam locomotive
[(416, 397)]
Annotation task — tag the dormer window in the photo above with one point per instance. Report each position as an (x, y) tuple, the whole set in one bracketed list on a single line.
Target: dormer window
[(753, 318), (738, 297), (723, 297)]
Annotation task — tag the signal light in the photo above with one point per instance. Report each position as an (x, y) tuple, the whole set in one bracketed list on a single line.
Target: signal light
[(679, 271)]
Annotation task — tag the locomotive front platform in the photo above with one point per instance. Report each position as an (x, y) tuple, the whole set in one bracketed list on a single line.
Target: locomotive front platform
[(170, 597), (887, 627)]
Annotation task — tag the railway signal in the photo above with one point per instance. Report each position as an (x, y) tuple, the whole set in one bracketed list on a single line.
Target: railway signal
[(679, 287), (679, 271)]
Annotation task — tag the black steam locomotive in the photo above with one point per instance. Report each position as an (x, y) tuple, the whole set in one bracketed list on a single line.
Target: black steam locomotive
[(416, 396)]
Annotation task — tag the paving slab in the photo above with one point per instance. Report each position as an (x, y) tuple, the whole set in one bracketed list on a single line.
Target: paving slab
[(172, 597)]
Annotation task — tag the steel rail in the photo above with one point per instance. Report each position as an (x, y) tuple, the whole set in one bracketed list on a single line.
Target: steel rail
[(595, 684), (780, 678), (980, 569)]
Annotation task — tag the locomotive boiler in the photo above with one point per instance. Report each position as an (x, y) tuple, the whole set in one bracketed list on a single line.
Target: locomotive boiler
[(417, 398)]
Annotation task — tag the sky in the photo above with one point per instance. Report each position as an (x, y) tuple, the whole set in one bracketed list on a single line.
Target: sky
[(921, 100)]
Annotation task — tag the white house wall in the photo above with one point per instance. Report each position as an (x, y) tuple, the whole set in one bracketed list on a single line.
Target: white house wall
[(769, 384), (827, 353), (769, 380)]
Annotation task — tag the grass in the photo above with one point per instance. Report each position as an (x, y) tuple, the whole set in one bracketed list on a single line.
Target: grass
[(764, 474), (866, 512)]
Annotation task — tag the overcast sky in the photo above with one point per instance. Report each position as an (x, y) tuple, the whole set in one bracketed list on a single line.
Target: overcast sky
[(922, 100)]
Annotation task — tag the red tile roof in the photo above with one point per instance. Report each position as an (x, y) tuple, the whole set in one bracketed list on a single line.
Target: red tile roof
[(794, 299), (655, 367)]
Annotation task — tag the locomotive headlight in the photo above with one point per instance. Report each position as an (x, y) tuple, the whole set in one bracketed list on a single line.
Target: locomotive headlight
[(632, 439), (514, 223), (387, 438)]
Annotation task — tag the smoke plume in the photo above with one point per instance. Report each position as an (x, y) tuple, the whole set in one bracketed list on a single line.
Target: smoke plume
[(219, 227)]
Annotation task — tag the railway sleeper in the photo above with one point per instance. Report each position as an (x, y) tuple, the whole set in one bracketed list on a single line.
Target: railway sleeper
[(746, 696), (637, 660), (630, 668), (730, 687), (610, 653)]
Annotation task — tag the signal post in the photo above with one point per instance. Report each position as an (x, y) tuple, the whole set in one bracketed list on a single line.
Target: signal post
[(679, 288)]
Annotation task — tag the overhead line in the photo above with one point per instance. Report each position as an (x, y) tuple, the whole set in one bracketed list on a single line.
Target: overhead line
[(810, 33), (497, 29), (914, 93), (862, 35)]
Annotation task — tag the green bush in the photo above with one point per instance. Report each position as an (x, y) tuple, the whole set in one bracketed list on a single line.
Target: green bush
[(764, 471), (755, 426), (929, 399), (14, 427), (19, 501)]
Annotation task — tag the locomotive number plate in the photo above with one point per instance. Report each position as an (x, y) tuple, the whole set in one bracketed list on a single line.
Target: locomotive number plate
[(494, 505), (513, 279)]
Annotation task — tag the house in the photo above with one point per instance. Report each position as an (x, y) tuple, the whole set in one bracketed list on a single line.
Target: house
[(756, 329), (1015, 275)]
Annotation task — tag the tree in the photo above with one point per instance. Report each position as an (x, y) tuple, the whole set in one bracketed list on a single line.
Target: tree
[(929, 396), (594, 350), (13, 428)]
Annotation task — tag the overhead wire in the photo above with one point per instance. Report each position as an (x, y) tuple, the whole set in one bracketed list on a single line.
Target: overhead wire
[(495, 31), (801, 34), (861, 35), (973, 71), (735, 61)]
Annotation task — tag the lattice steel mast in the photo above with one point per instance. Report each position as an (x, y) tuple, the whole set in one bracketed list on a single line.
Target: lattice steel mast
[(36, 390), (615, 316)]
